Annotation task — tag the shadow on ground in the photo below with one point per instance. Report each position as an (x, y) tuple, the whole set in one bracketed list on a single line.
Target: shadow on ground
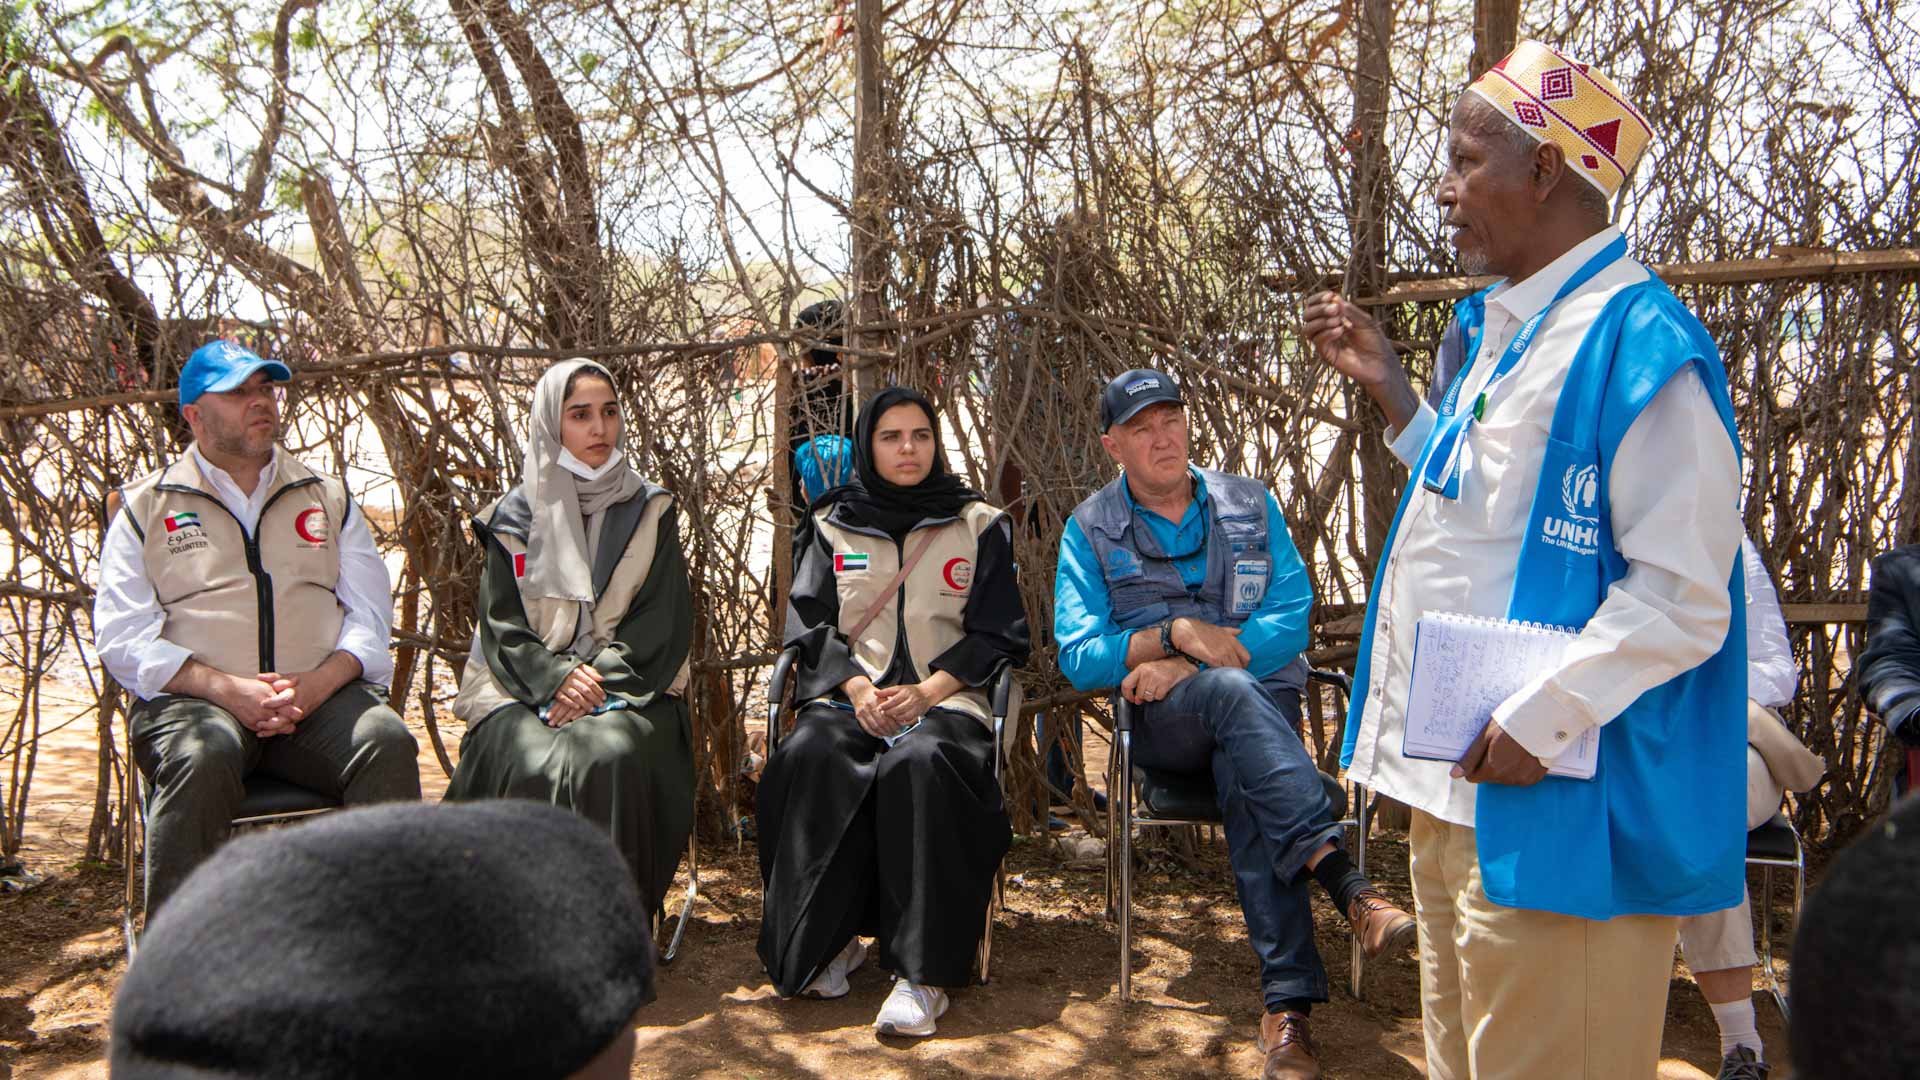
[(1052, 1009)]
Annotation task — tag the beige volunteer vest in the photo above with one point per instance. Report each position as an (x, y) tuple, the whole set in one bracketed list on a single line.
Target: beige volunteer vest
[(481, 695), (244, 604), (934, 596)]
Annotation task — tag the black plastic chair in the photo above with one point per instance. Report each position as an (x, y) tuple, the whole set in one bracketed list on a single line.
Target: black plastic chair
[(1151, 798), (1000, 695), (1776, 843), (268, 800)]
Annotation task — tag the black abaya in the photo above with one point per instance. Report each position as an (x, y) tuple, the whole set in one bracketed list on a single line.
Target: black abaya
[(897, 842)]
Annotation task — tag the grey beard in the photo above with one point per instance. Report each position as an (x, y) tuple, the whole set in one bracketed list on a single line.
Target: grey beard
[(235, 444), (1473, 262)]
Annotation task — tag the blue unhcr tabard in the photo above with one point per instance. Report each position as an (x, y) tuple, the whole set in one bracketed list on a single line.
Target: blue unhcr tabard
[(1659, 830)]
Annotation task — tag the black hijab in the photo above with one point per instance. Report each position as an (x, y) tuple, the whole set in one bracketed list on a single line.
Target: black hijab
[(876, 502)]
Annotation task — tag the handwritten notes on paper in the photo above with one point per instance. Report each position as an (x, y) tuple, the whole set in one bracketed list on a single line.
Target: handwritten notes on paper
[(1466, 665)]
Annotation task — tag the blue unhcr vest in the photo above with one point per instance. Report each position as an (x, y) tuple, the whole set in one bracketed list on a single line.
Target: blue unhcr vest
[(1144, 586), (1660, 829)]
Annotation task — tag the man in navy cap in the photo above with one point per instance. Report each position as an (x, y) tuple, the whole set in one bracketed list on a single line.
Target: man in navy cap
[(243, 605), (1181, 586)]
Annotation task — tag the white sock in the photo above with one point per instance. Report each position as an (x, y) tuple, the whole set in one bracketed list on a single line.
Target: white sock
[(1737, 1027)]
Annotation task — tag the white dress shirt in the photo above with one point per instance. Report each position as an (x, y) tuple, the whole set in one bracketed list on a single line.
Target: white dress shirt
[(1673, 488), (128, 618), (1772, 675)]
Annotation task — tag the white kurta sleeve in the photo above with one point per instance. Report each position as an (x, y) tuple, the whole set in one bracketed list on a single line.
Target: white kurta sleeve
[(1407, 443), (1772, 675), (1674, 489)]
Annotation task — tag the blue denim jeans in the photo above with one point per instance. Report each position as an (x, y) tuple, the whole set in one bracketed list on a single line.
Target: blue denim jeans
[(1059, 774), (1276, 811)]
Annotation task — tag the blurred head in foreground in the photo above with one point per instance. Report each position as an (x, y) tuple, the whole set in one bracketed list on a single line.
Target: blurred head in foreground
[(498, 938), (1856, 959)]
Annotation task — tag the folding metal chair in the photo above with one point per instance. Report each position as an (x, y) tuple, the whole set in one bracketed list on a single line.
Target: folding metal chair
[(672, 952), (1152, 798), (268, 800), (1776, 843), (1000, 698)]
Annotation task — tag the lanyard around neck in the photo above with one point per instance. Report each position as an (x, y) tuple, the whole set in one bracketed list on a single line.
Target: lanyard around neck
[(1441, 472)]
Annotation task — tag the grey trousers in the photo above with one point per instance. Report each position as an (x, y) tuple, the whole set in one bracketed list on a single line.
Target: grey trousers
[(196, 758)]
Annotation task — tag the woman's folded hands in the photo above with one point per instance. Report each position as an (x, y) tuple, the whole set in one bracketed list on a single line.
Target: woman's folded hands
[(579, 694)]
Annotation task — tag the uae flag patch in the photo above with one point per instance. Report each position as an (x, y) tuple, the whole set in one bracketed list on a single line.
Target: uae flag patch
[(850, 562), (520, 564), (184, 519)]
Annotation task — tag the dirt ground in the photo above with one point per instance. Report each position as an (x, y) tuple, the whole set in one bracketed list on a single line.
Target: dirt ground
[(1052, 1008)]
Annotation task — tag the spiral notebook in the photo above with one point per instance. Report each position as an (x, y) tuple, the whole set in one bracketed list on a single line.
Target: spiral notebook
[(1466, 665)]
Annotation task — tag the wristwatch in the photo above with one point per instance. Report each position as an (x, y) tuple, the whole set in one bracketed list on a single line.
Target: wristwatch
[(1167, 647)]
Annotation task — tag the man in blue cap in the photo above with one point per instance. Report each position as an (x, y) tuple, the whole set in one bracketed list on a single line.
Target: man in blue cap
[(1181, 587), (243, 605)]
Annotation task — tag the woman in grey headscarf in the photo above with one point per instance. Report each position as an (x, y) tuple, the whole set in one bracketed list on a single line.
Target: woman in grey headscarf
[(574, 689)]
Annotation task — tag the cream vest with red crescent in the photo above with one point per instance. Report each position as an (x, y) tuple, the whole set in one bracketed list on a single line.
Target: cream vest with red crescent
[(934, 597), (556, 621), (244, 604)]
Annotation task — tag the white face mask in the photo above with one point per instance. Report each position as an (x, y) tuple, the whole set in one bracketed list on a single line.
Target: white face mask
[(585, 471)]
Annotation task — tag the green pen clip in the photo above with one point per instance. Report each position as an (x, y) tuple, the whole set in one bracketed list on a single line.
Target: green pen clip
[(1480, 407)]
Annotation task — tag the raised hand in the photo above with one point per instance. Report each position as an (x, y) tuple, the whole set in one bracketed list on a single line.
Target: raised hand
[(1349, 341)]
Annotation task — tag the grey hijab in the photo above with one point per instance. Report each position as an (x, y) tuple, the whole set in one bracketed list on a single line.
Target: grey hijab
[(564, 534)]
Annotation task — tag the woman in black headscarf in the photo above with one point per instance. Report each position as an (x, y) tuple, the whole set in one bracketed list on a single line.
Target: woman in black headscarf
[(879, 814)]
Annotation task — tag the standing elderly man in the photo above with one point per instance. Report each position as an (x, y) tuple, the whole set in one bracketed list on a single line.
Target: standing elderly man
[(1583, 471), (242, 603), (1182, 587)]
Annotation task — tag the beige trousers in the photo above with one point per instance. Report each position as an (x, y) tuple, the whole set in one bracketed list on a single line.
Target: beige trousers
[(1724, 939), (1508, 992)]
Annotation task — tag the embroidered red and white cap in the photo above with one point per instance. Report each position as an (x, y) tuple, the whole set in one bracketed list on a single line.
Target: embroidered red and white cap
[(1563, 101)]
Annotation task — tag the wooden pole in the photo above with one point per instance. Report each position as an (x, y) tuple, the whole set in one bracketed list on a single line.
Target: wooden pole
[(1370, 182), (1803, 266), (871, 171), (1496, 29), (1370, 191), (1789, 265), (779, 494)]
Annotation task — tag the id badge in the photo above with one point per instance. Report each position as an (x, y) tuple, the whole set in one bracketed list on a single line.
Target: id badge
[(1249, 584)]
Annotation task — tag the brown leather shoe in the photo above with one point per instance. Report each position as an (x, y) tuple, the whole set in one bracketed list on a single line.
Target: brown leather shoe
[(1289, 1048), (1380, 926)]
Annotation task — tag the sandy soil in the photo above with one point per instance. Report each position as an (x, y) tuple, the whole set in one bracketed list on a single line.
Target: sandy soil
[(1052, 1008)]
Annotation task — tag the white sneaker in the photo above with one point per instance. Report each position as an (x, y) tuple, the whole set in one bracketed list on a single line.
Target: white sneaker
[(832, 982), (910, 1009)]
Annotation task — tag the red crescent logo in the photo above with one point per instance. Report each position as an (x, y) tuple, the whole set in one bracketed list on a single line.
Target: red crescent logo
[(959, 574), (312, 525)]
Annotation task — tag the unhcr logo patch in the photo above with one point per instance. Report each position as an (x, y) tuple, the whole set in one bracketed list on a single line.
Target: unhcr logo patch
[(1580, 492), (226, 352), (1122, 564), (1579, 530)]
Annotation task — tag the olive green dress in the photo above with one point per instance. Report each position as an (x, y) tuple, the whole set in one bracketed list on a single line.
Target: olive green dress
[(627, 769)]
